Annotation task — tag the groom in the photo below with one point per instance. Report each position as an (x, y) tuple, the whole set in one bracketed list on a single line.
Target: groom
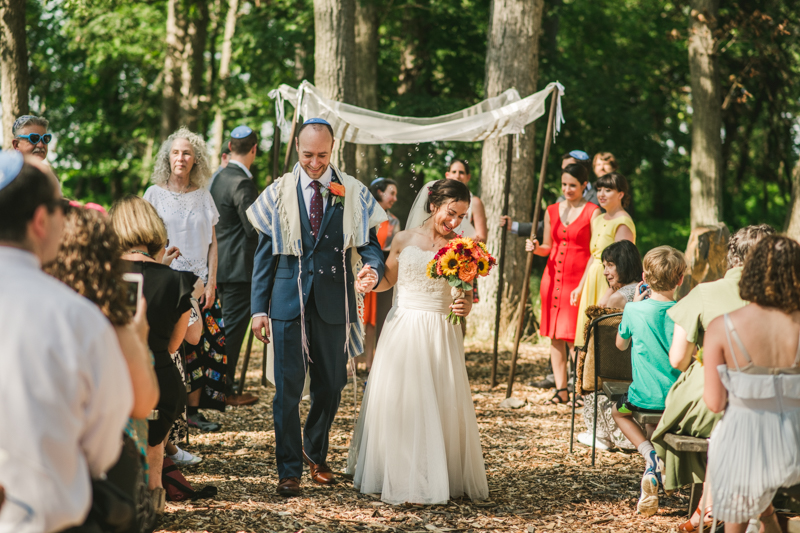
[(316, 226)]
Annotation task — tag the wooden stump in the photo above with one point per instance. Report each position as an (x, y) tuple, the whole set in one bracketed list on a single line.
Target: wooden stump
[(706, 256)]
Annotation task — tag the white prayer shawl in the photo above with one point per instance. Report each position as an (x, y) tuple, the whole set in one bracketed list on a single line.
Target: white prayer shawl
[(506, 114), (276, 213)]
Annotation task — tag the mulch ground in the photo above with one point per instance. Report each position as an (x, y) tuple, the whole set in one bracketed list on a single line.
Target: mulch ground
[(535, 483)]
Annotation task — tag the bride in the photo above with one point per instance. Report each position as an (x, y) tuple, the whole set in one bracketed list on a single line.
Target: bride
[(417, 438)]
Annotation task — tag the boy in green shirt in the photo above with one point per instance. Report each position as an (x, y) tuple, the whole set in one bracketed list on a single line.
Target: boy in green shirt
[(645, 322)]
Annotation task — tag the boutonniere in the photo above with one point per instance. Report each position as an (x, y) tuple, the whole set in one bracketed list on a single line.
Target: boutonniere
[(334, 189)]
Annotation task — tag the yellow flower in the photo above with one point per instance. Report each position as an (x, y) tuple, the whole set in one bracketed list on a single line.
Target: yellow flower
[(449, 263), (431, 268), (464, 241), (483, 247), (483, 266)]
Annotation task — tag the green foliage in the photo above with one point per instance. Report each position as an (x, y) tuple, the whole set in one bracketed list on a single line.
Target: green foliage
[(97, 74)]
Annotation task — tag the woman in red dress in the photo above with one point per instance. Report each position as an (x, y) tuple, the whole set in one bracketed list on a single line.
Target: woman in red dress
[(567, 233)]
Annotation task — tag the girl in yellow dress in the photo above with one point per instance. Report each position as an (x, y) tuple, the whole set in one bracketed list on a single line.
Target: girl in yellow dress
[(615, 225)]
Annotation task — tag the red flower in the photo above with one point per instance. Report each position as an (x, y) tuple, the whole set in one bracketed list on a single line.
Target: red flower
[(337, 189)]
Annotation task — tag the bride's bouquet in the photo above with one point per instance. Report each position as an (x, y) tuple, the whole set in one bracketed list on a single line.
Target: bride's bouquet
[(460, 262)]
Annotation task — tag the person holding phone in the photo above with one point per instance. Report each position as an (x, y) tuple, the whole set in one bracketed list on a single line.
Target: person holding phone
[(143, 237)]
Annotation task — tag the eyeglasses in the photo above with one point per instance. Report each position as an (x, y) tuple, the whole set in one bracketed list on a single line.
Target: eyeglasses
[(34, 138)]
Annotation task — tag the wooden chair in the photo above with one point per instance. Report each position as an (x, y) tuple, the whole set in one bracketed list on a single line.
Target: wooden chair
[(685, 443), (610, 363)]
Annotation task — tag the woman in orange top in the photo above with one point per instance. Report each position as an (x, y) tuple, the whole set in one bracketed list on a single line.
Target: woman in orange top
[(385, 191)]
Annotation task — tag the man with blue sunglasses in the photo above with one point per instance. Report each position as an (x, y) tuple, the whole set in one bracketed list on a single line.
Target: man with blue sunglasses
[(30, 135)]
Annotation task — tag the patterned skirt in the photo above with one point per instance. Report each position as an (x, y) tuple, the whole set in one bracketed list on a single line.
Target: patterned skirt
[(206, 362)]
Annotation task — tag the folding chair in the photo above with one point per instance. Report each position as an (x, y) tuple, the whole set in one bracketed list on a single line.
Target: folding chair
[(610, 363)]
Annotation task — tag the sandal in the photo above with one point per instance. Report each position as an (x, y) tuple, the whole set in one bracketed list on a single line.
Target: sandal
[(708, 521), (557, 399), (578, 403)]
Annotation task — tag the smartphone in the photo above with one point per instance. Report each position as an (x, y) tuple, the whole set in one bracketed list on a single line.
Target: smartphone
[(134, 282)]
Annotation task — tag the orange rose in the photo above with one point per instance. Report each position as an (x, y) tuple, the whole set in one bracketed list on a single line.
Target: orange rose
[(468, 272), (337, 189)]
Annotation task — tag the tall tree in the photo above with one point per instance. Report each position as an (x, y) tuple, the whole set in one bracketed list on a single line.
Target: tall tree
[(170, 93), (193, 66), (706, 166), (512, 60), (334, 63), (793, 217), (224, 74), (13, 64), (368, 156)]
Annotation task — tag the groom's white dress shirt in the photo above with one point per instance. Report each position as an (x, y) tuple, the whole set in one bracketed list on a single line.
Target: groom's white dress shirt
[(65, 397), (308, 190)]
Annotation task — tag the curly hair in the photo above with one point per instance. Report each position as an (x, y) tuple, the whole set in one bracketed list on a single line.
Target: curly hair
[(744, 240), (90, 263), (771, 275), (201, 170)]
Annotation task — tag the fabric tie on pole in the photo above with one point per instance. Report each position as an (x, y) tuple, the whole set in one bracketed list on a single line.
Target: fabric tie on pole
[(506, 114)]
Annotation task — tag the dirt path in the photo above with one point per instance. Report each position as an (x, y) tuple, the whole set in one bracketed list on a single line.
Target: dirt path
[(535, 483)]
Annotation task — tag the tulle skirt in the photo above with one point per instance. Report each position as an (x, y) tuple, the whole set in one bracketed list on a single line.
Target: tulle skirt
[(417, 437)]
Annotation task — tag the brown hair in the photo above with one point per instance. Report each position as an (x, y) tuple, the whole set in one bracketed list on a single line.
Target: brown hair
[(617, 182), (137, 224), (771, 275), (608, 157), (244, 145), (89, 262), (663, 268), (744, 240), (442, 191)]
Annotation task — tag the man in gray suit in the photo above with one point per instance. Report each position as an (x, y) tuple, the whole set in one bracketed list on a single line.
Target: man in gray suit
[(233, 191)]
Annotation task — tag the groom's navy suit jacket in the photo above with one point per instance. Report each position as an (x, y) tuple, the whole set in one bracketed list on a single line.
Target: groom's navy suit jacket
[(275, 276)]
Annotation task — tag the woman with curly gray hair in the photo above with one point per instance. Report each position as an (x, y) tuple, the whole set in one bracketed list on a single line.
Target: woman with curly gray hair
[(181, 198)]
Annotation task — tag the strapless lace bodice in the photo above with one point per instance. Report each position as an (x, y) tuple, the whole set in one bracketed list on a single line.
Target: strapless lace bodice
[(415, 290)]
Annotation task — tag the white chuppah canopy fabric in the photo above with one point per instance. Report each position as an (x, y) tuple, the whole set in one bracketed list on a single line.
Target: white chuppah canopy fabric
[(507, 114)]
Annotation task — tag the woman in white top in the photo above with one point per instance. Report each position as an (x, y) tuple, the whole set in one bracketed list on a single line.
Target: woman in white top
[(751, 360), (181, 198)]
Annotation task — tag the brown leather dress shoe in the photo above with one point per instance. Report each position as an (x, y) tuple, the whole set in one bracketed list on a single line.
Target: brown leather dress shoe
[(241, 399), (320, 473), (289, 487)]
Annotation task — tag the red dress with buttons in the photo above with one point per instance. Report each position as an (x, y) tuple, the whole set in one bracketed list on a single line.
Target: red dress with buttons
[(563, 273)]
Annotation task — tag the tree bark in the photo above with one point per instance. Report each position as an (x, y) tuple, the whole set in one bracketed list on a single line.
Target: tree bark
[(512, 60), (334, 63), (13, 65), (367, 156), (170, 93), (224, 74), (193, 67), (793, 216), (706, 169)]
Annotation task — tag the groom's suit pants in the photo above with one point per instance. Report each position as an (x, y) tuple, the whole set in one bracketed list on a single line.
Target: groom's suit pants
[(328, 372)]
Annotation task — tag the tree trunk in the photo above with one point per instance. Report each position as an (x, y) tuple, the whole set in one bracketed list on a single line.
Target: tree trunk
[(512, 60), (706, 116), (334, 64), (793, 216), (13, 65), (224, 74), (193, 67), (367, 156), (170, 94)]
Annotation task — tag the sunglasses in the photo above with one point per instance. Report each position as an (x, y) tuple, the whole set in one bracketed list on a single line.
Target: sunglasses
[(34, 138)]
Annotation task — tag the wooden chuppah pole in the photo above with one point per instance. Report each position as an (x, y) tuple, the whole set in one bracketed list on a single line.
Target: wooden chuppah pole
[(523, 300), (502, 260), (290, 148)]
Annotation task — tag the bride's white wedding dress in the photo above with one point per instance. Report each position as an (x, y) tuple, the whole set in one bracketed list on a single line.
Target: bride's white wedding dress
[(417, 438)]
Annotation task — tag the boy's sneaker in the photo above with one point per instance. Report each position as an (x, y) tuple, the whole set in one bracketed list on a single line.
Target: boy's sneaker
[(184, 458), (651, 480)]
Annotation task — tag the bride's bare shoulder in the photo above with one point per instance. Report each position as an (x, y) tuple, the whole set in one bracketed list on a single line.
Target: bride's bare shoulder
[(404, 238)]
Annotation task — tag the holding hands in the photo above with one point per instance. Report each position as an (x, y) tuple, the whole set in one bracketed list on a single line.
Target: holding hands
[(366, 280)]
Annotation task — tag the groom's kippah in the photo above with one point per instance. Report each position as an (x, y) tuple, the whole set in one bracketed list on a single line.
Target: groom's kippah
[(10, 166), (317, 121), (240, 132)]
